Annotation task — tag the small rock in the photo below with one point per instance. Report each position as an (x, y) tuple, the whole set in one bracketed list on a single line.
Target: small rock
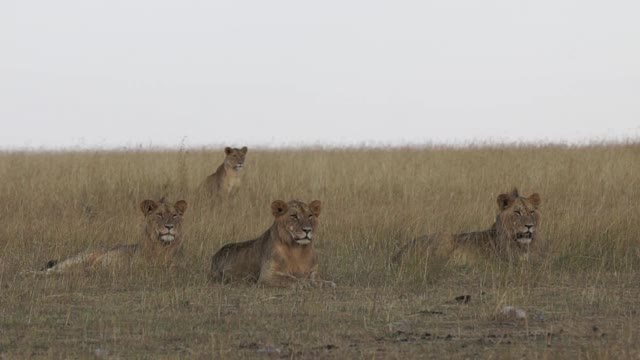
[(101, 352), (269, 350), (513, 312), (431, 312)]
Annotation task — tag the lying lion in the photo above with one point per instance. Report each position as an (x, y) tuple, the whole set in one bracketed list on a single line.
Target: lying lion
[(161, 241), (282, 256), (515, 232)]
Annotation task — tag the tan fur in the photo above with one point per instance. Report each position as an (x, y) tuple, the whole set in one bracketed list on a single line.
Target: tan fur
[(283, 256), (514, 233), (161, 242), (227, 178)]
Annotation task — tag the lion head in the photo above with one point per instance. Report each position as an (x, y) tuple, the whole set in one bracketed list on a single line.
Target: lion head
[(518, 218), (163, 220), (234, 157), (295, 221)]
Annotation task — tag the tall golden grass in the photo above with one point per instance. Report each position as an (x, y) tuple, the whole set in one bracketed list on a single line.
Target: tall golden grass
[(55, 204), (60, 202)]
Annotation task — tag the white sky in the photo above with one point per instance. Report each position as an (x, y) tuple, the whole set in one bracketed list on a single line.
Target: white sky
[(105, 73)]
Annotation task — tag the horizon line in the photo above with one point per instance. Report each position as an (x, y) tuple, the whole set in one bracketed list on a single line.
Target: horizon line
[(364, 145)]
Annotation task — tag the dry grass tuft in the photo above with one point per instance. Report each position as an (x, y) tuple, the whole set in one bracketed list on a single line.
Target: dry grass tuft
[(581, 302)]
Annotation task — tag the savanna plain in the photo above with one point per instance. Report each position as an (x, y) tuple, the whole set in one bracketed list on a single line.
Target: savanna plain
[(581, 300)]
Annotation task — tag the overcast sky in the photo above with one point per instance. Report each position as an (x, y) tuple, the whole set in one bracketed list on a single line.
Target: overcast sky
[(108, 73)]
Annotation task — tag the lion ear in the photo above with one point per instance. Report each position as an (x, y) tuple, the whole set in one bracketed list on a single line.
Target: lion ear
[(504, 201), (535, 200), (227, 150), (148, 206), (279, 208), (244, 150), (315, 206), (181, 207)]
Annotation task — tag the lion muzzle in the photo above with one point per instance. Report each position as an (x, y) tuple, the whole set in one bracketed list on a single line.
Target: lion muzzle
[(306, 239), (525, 238), (167, 234)]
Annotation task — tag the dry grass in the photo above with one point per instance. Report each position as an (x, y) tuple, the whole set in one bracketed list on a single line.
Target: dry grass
[(582, 302)]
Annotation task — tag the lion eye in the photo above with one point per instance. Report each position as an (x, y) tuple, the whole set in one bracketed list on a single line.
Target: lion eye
[(518, 213), (294, 217), (310, 216), (159, 216), (175, 216), (532, 212)]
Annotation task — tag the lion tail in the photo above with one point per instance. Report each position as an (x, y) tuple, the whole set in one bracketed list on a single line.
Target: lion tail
[(50, 264)]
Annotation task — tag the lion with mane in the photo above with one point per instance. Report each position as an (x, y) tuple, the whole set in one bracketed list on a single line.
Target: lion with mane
[(515, 232)]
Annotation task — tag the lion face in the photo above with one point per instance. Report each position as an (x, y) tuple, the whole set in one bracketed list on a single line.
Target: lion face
[(519, 217), (163, 220), (296, 220), (235, 157)]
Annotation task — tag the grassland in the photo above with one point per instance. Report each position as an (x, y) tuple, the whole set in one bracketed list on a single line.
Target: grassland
[(581, 302)]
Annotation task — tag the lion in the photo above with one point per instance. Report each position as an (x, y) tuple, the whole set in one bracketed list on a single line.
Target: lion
[(515, 232), (282, 256), (160, 243), (226, 179)]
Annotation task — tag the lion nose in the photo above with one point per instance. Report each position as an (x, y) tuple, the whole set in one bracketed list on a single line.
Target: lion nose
[(529, 227), (169, 226)]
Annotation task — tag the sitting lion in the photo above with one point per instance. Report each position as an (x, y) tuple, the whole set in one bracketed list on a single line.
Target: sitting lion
[(162, 240), (514, 232), (282, 256), (226, 179)]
